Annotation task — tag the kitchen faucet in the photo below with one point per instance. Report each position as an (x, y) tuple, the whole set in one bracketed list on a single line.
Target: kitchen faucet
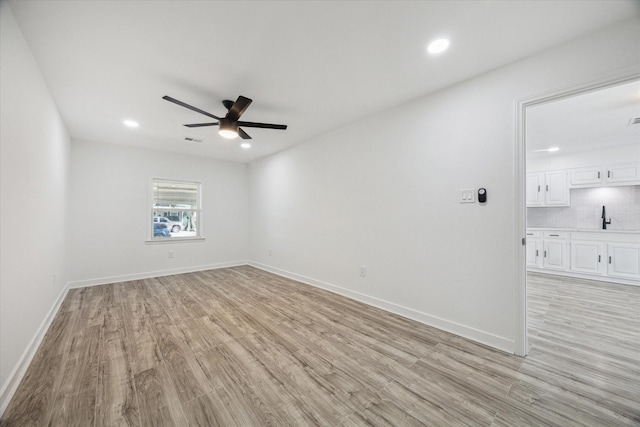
[(604, 219)]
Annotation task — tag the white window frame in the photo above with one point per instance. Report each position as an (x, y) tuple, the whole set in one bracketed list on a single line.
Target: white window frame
[(152, 210)]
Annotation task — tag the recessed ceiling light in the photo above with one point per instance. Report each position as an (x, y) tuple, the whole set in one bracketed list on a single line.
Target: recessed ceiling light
[(245, 145), (130, 123), (438, 46), (547, 150)]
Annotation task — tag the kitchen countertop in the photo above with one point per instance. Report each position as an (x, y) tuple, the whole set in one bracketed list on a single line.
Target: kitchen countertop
[(586, 230)]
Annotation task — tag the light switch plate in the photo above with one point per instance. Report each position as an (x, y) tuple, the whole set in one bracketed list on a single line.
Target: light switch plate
[(468, 195)]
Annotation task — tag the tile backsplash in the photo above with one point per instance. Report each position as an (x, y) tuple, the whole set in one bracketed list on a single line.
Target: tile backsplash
[(622, 204)]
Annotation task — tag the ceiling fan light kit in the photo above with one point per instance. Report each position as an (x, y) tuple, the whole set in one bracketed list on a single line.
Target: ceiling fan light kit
[(228, 129), (229, 126)]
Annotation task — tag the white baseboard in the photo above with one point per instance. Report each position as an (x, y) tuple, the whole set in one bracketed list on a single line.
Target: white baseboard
[(486, 338), (151, 274), (13, 381)]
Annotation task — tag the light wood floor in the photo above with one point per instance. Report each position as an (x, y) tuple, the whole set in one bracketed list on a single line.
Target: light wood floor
[(242, 347)]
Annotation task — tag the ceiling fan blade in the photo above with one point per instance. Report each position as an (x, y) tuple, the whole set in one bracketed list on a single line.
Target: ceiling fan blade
[(190, 107), (199, 125), (243, 134), (238, 107), (262, 125)]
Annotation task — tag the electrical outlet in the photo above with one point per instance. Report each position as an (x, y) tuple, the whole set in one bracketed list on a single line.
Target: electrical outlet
[(171, 254), (363, 271), (270, 252)]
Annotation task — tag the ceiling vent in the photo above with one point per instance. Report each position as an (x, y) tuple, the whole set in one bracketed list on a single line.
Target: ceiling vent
[(192, 139), (634, 121)]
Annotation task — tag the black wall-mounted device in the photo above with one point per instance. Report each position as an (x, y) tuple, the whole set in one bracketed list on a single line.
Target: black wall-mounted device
[(482, 195)]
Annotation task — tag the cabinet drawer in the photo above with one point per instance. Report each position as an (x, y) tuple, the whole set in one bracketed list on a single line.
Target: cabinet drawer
[(532, 234), (556, 234)]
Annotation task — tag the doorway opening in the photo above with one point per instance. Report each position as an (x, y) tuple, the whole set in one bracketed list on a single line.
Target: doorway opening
[(557, 134)]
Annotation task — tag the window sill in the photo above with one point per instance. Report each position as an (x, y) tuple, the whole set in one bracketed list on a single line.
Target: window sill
[(174, 240)]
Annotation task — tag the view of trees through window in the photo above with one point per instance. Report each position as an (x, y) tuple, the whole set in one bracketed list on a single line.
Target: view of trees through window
[(176, 209)]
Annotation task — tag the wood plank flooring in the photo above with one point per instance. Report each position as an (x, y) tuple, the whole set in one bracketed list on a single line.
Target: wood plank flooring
[(242, 347)]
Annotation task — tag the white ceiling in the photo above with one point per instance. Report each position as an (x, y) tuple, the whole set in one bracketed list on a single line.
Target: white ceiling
[(589, 121), (314, 66)]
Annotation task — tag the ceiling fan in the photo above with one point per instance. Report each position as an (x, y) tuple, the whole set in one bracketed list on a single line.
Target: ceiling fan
[(229, 124)]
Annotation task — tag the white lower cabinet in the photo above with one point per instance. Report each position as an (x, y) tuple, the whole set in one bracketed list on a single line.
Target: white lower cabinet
[(609, 256), (588, 257), (534, 249), (534, 253), (555, 254), (623, 260)]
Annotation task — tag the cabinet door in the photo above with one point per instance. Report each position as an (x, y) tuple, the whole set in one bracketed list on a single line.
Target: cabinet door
[(556, 189), (623, 260), (534, 252), (584, 176), (588, 257), (555, 254), (535, 189), (628, 173)]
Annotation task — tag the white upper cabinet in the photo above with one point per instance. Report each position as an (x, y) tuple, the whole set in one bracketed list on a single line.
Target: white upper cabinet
[(595, 176), (629, 174), (556, 188), (535, 189), (547, 188), (586, 176)]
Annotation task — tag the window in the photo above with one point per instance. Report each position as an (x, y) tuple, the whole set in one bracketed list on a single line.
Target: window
[(176, 210)]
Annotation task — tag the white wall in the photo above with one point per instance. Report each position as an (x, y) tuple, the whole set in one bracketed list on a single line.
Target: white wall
[(109, 214), (34, 152), (383, 193)]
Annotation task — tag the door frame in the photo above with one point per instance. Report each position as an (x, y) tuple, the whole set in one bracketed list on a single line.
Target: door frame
[(616, 78)]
